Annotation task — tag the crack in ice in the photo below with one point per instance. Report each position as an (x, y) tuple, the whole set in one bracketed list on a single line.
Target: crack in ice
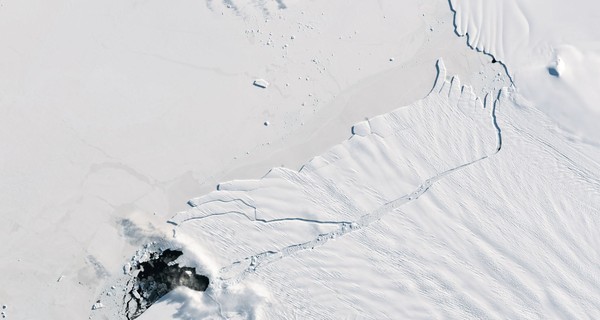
[(251, 264), (255, 218), (255, 261), (238, 270)]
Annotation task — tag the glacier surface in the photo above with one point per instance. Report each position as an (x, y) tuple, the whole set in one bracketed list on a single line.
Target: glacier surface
[(454, 206)]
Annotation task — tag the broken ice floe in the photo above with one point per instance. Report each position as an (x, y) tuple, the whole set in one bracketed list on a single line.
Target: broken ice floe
[(152, 273), (97, 305), (261, 83)]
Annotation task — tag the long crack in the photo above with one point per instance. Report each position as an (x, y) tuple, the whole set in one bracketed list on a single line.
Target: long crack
[(238, 270), (254, 218), (251, 264)]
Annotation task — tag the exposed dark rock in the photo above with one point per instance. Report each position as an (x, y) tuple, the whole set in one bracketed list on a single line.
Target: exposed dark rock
[(157, 277)]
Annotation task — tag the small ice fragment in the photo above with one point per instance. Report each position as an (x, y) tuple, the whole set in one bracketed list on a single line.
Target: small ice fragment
[(261, 83), (97, 305), (127, 268), (136, 294), (362, 128)]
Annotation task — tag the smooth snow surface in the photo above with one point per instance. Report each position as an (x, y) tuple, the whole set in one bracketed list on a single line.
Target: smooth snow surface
[(552, 50)]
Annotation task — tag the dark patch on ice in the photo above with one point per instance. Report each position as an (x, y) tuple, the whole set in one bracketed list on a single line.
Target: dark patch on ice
[(231, 5), (99, 269), (136, 235), (281, 5), (157, 277), (133, 233), (553, 72)]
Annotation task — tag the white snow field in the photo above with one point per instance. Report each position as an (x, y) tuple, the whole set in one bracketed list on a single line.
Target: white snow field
[(453, 207), (551, 49), (115, 113), (447, 201)]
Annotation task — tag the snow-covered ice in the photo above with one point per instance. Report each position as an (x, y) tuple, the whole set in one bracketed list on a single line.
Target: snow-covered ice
[(551, 49), (394, 185), (454, 206)]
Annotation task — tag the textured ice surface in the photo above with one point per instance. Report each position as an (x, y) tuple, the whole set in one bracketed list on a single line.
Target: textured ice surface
[(392, 162), (551, 49), (114, 113), (445, 207)]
